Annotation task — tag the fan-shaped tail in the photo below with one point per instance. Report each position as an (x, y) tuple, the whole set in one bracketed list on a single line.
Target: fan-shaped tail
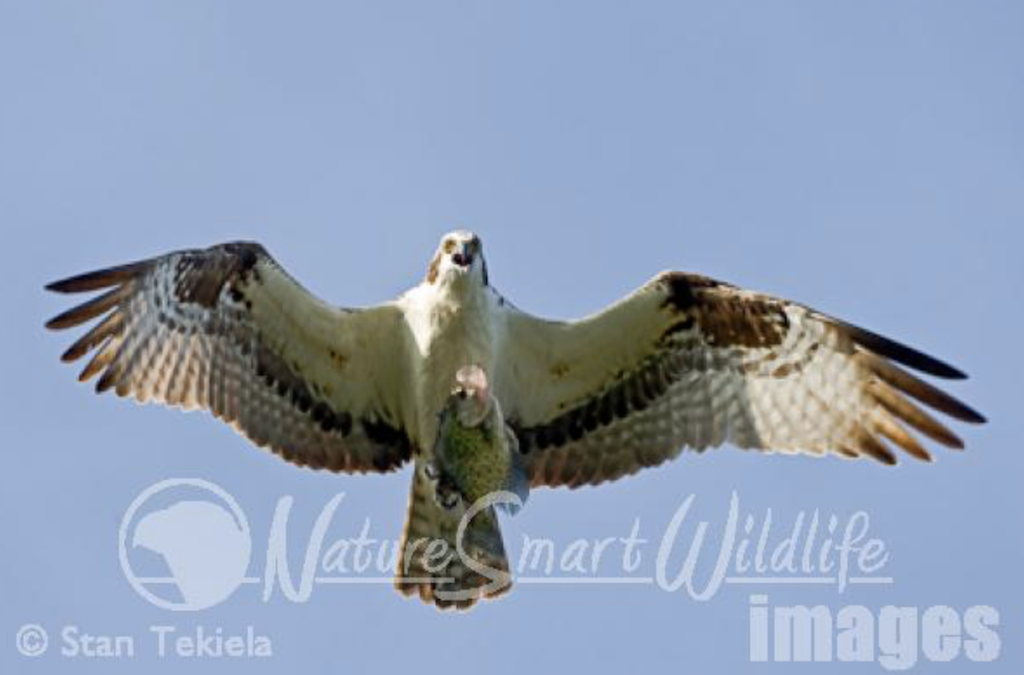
[(434, 563)]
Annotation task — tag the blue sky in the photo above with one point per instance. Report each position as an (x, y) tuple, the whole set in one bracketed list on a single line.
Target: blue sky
[(866, 158)]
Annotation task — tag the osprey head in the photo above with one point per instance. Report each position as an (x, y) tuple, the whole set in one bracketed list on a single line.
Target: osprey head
[(471, 396), (459, 258)]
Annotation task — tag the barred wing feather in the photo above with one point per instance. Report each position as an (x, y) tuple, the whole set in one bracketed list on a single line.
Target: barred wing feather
[(690, 362), (225, 329)]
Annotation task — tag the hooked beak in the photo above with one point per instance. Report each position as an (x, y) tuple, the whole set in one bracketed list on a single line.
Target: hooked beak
[(464, 256)]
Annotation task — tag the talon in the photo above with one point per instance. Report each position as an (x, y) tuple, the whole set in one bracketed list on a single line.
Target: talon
[(449, 500)]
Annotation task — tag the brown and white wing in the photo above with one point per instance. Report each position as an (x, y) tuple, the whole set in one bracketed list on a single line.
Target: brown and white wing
[(690, 362), (225, 329)]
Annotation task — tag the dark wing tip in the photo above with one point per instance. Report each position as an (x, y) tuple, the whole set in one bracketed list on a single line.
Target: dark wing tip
[(92, 281), (53, 323), (972, 416), (117, 279), (901, 353), (90, 309)]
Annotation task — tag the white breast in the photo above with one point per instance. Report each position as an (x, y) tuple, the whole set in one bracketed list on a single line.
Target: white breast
[(448, 331)]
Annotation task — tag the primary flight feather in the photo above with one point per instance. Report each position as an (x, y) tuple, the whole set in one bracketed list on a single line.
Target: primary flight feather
[(683, 362)]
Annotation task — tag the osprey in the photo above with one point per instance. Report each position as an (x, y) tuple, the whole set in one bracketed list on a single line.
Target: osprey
[(684, 362)]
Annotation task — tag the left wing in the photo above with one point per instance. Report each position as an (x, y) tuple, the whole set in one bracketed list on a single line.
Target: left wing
[(687, 361)]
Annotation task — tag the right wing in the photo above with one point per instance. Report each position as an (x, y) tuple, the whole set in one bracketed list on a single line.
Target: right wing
[(227, 330)]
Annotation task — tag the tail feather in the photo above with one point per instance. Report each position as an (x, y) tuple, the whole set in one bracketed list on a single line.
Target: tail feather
[(433, 565)]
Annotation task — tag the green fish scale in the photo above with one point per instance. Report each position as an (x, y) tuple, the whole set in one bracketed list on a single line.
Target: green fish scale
[(476, 462)]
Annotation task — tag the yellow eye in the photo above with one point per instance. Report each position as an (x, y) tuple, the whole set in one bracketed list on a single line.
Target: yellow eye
[(449, 245)]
